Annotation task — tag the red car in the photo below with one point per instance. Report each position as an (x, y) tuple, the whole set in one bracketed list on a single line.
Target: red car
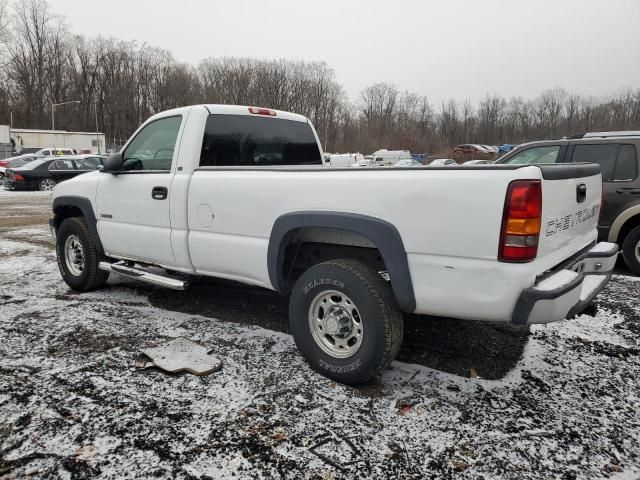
[(471, 151)]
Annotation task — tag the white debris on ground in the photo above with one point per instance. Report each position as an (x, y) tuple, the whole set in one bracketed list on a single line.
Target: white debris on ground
[(73, 405)]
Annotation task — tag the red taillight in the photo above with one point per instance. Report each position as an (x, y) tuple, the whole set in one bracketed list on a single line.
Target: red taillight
[(262, 111), (3, 163), (521, 222), (17, 177)]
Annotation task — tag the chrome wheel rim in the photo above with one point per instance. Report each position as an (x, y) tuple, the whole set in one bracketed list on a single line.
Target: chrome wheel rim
[(336, 324), (74, 255), (47, 184), (637, 252)]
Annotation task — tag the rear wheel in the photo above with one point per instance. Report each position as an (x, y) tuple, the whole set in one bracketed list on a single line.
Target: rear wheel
[(78, 256), (631, 250), (345, 320), (46, 184)]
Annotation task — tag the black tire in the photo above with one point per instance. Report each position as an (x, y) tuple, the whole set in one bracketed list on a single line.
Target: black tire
[(90, 277), (382, 320), (630, 250)]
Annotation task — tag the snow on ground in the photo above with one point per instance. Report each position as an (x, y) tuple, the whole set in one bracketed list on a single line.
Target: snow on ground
[(73, 405)]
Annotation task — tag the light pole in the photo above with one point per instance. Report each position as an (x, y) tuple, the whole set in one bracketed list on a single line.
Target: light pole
[(53, 110)]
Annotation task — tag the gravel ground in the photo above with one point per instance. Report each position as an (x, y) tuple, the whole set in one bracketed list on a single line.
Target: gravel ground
[(558, 401)]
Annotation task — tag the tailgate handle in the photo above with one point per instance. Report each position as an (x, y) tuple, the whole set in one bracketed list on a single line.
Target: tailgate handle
[(628, 191), (581, 193)]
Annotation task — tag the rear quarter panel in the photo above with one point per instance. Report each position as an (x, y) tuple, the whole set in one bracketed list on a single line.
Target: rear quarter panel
[(449, 220)]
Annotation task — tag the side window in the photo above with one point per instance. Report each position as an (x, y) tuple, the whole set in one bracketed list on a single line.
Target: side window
[(246, 140), (62, 165), (535, 155), (152, 148), (603, 154), (86, 164), (626, 164)]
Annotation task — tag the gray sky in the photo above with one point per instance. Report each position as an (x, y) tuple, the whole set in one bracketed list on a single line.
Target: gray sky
[(446, 48)]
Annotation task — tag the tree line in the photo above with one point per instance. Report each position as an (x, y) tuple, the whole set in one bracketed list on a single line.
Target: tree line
[(42, 62)]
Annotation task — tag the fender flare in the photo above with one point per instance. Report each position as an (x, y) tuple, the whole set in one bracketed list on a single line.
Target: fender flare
[(618, 223), (381, 233), (84, 204)]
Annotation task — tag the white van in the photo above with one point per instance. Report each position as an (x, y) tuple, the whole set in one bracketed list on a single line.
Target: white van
[(341, 160), (389, 157)]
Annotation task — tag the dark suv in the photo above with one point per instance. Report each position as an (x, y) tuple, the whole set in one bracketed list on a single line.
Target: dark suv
[(617, 154)]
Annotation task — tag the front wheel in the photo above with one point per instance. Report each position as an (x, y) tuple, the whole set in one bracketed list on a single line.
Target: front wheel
[(631, 250), (46, 184), (345, 320), (78, 257)]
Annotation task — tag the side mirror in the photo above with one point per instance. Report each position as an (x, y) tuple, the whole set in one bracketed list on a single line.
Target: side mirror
[(113, 163)]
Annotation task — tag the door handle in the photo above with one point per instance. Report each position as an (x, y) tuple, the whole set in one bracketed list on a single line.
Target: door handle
[(628, 191), (159, 193), (581, 193)]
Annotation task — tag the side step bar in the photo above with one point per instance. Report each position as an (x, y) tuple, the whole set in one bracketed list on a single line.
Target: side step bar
[(143, 275)]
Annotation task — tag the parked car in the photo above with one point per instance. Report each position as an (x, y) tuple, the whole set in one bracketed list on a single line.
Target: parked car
[(472, 152), (342, 160), (506, 147), (365, 162), (185, 194), (43, 174), (478, 162), (617, 155), (389, 157), (490, 148), (14, 162), (55, 152), (441, 162), (407, 162)]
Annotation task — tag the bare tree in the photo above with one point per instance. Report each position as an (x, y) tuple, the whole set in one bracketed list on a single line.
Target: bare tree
[(125, 83)]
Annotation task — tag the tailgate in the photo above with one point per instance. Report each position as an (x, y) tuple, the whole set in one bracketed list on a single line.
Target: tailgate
[(571, 196)]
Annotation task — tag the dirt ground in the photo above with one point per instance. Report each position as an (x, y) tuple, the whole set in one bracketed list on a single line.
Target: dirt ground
[(464, 400)]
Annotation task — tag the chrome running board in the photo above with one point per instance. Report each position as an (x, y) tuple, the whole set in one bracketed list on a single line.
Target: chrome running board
[(137, 273)]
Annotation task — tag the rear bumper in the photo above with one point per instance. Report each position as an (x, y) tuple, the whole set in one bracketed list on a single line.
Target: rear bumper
[(569, 290), (11, 185)]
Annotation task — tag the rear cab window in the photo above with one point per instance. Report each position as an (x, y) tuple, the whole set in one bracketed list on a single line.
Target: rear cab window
[(618, 162), (252, 141)]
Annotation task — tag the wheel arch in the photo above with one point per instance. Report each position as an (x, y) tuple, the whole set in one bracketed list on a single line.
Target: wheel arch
[(383, 235), (68, 206), (624, 223)]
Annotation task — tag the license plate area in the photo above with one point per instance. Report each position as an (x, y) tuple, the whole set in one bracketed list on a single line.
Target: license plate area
[(578, 267)]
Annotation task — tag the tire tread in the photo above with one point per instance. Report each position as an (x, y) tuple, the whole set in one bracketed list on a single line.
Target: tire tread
[(628, 246), (97, 278)]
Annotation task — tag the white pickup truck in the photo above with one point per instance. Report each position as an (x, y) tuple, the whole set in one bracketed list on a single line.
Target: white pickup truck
[(242, 193)]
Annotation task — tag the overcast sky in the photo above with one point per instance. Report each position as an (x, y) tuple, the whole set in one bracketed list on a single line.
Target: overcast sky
[(441, 49)]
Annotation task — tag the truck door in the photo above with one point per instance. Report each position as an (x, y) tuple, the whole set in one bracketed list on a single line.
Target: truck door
[(133, 206), (619, 166)]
